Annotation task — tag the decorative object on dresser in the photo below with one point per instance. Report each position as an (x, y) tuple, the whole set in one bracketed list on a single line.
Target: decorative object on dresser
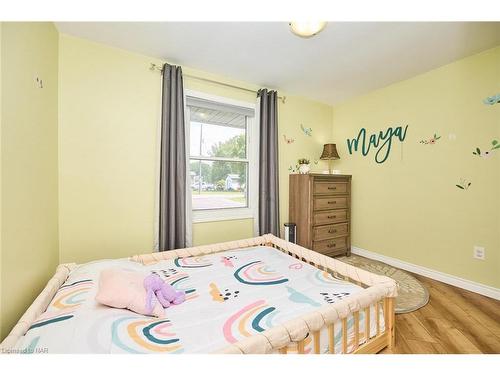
[(330, 153), (320, 205), (304, 166)]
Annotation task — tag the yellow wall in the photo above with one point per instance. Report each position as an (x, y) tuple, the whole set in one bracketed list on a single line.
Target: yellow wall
[(409, 207), (29, 240), (108, 122), (109, 108), (312, 115), (217, 231)]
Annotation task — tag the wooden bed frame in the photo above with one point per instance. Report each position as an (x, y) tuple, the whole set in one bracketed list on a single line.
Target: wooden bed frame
[(379, 294)]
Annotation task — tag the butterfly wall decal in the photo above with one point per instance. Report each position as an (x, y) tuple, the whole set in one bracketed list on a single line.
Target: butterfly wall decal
[(307, 131), (495, 99)]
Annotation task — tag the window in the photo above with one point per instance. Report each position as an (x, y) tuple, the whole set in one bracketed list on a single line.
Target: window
[(221, 175)]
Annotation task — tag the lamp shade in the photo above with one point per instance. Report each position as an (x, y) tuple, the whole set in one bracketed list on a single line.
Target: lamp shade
[(330, 152)]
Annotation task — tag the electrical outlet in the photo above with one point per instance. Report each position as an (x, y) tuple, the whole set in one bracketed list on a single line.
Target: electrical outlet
[(479, 253)]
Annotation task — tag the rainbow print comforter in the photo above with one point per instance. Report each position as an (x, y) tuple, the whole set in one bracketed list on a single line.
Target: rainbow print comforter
[(230, 296)]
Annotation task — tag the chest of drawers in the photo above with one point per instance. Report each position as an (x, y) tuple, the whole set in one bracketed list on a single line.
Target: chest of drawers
[(320, 206)]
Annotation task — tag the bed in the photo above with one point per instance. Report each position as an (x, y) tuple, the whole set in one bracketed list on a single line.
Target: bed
[(253, 296)]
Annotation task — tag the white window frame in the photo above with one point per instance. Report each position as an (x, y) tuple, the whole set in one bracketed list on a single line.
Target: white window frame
[(252, 135)]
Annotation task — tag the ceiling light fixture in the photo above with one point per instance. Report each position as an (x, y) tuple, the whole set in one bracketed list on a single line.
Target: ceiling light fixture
[(307, 29)]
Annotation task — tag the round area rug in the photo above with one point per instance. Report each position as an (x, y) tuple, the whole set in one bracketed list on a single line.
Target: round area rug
[(412, 295)]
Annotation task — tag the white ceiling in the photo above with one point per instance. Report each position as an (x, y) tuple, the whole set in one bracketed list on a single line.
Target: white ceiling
[(345, 60)]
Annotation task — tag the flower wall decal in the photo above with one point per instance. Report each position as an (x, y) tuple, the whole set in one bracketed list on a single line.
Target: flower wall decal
[(288, 140), (430, 141), (495, 145), (464, 184)]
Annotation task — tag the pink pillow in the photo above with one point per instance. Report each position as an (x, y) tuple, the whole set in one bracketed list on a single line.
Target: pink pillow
[(125, 290)]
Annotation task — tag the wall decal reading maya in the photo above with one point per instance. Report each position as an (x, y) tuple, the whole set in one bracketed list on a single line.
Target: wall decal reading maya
[(485, 154), (430, 141), (490, 100), (307, 131), (464, 184), (288, 140), (381, 141)]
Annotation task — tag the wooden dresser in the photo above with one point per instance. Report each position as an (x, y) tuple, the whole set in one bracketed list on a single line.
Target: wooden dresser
[(320, 205)]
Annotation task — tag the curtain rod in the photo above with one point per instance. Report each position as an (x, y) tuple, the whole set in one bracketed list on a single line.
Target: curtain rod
[(155, 67)]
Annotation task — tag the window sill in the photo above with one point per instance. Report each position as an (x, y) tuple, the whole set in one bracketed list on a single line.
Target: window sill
[(205, 216)]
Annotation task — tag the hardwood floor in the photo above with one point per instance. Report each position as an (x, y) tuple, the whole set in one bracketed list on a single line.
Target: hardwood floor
[(454, 321)]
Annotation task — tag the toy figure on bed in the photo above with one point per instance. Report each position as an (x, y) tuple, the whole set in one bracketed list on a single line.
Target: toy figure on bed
[(127, 289), (164, 293)]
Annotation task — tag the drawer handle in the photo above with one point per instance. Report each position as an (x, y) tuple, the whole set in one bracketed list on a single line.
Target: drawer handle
[(332, 231), (332, 217), (332, 202), (332, 245), (332, 188)]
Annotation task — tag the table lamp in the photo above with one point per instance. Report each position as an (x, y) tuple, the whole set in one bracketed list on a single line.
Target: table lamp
[(330, 153)]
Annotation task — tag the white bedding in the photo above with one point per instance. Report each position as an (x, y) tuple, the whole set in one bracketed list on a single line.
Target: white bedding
[(230, 296)]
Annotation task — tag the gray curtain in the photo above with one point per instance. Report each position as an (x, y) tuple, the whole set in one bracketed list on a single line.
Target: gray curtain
[(172, 231), (268, 163)]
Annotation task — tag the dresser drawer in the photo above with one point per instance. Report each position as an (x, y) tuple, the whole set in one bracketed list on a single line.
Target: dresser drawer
[(329, 203), (329, 217), (331, 245), (330, 231), (329, 187)]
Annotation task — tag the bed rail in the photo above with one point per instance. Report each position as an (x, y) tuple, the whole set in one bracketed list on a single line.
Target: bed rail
[(38, 306), (378, 296)]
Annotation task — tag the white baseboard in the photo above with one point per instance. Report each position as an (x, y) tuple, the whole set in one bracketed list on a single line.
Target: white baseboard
[(472, 286)]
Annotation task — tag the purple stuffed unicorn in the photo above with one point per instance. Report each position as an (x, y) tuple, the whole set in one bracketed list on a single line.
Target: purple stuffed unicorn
[(164, 293)]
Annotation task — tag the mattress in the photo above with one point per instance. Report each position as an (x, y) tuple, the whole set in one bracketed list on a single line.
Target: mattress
[(229, 296)]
